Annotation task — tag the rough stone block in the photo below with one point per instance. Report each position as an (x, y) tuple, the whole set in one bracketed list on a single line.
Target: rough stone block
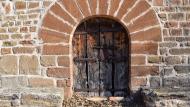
[(29, 65), (55, 50), (83, 4), (158, 2), (52, 22), (41, 100), (185, 24), (182, 39), (168, 44), (31, 97), (152, 34), (61, 13), (184, 81), (171, 24), (72, 8), (5, 51), (47, 3), (167, 72), (9, 43), (179, 51), (63, 61), (136, 11), (176, 16), (3, 30), (149, 19), (23, 50), (48, 61), (64, 83), (13, 82), (186, 32), (103, 7), (177, 81), (40, 82), (58, 72), (144, 48), (33, 4), (171, 60), (27, 42), (20, 5), (163, 51), (182, 68), (144, 70), (138, 60), (113, 6), (8, 65), (126, 5), (137, 82), (16, 36), (170, 82), (154, 82), (4, 36), (67, 92), (176, 32), (154, 59), (174, 2), (13, 29), (93, 6), (53, 37)]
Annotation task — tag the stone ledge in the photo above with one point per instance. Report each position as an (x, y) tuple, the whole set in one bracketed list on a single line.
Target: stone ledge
[(32, 97), (178, 93), (167, 97)]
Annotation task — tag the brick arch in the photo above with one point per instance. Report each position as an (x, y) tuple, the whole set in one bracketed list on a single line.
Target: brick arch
[(137, 16)]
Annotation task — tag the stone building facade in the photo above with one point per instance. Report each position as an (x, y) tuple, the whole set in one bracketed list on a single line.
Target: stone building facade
[(36, 47)]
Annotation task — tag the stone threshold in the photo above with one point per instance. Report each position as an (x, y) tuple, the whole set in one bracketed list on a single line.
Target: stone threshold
[(136, 96), (99, 99)]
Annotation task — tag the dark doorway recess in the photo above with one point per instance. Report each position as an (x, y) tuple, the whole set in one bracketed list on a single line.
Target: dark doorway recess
[(101, 58)]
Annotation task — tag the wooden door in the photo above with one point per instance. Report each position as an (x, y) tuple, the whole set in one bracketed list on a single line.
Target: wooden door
[(100, 52)]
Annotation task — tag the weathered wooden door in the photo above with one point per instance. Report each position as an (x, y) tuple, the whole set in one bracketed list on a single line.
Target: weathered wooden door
[(101, 53)]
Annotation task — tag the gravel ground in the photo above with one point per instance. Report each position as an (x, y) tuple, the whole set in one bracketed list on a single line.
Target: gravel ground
[(78, 101)]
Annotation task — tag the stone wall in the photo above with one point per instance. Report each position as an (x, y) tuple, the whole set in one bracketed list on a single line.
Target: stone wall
[(36, 37)]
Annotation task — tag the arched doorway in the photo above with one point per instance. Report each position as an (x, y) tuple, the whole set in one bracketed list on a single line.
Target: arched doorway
[(101, 58), (60, 22)]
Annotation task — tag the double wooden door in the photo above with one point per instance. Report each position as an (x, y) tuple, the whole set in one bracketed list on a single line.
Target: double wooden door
[(100, 55)]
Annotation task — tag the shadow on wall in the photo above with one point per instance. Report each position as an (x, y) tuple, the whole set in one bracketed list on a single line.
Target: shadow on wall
[(139, 99)]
